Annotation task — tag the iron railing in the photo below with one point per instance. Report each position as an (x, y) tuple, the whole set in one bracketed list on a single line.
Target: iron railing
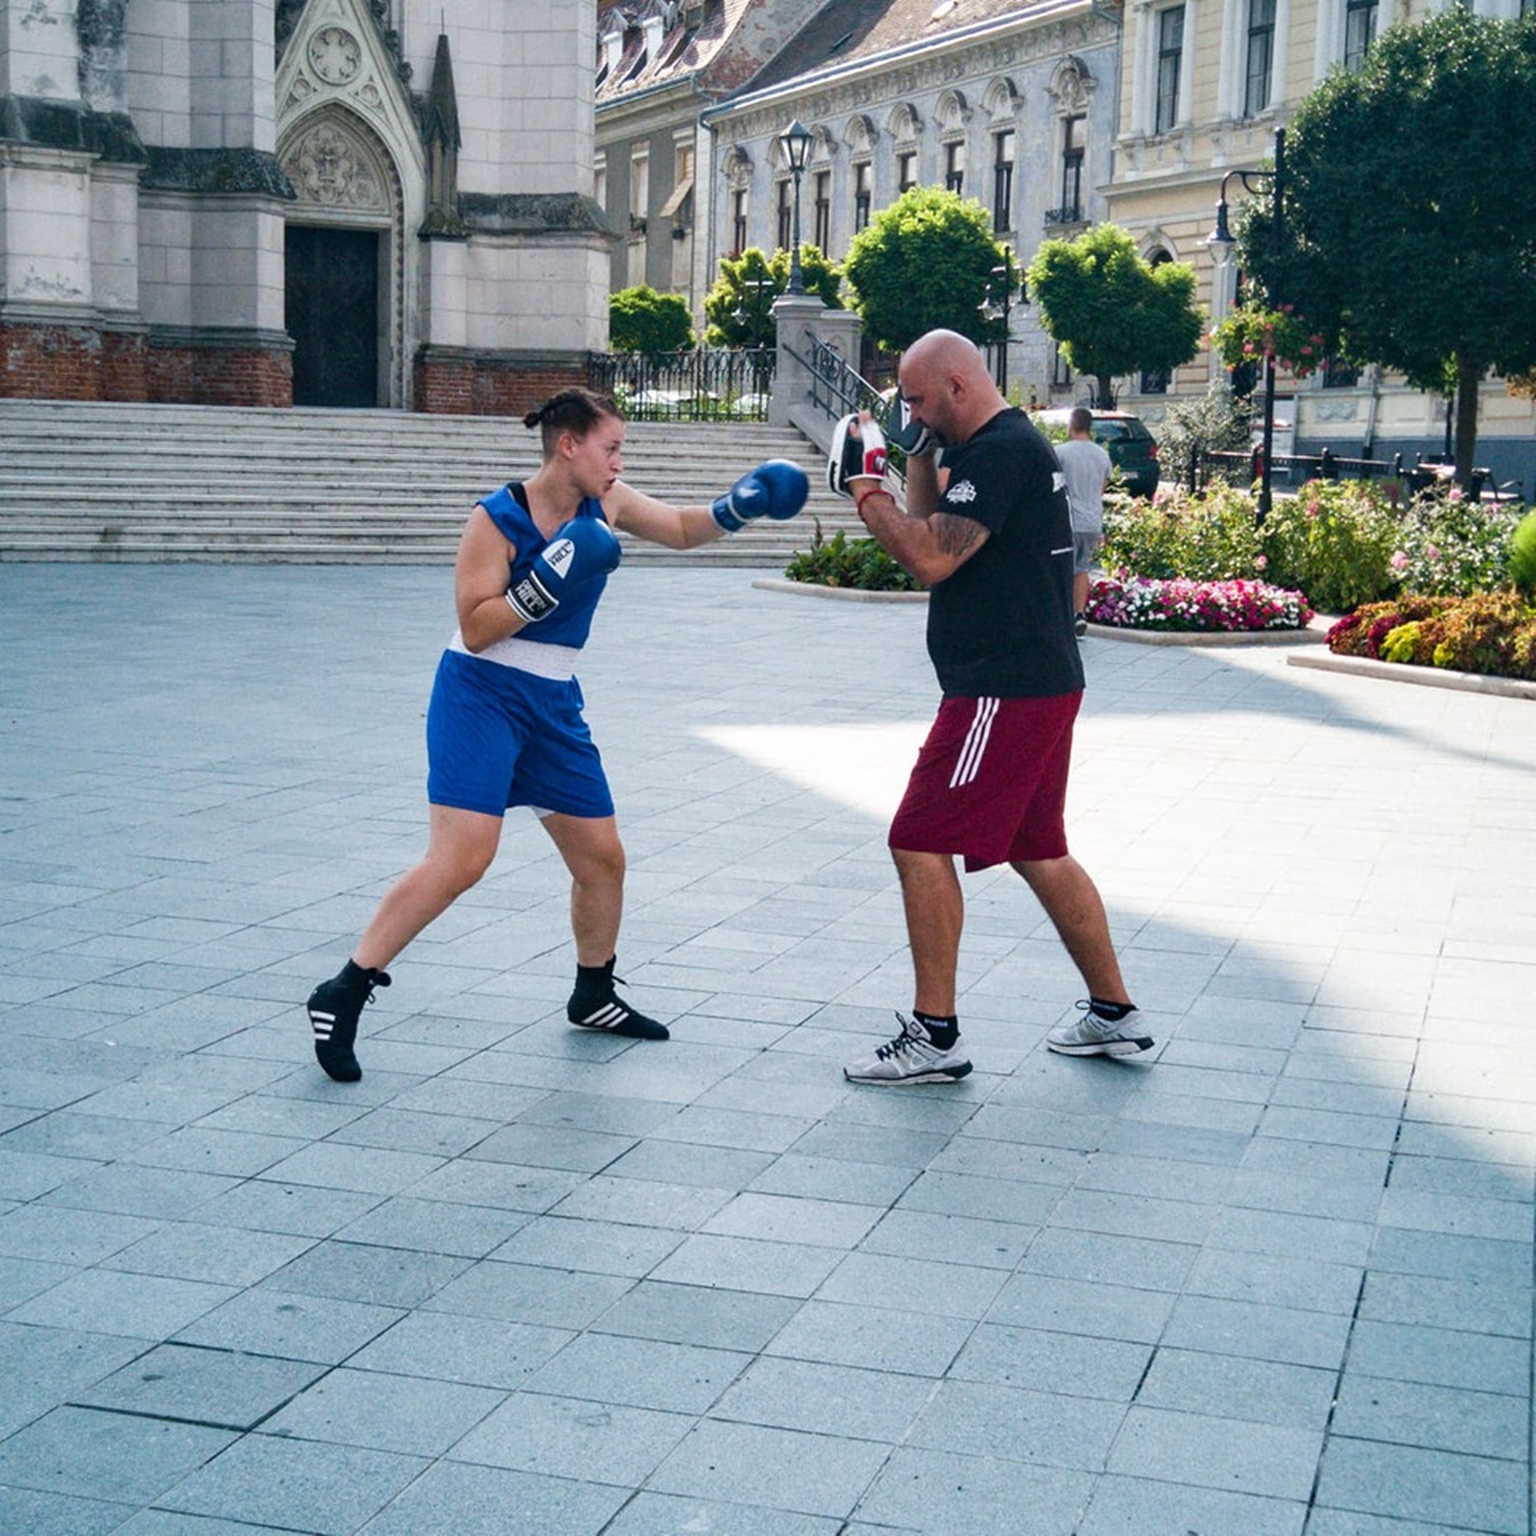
[(1327, 465), (705, 384), (838, 388)]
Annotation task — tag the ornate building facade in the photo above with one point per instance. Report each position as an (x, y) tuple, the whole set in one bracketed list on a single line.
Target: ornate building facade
[(1203, 88), (329, 202), (1011, 105)]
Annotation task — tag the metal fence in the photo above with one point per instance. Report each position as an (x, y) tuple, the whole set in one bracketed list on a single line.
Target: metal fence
[(705, 384), (1295, 468)]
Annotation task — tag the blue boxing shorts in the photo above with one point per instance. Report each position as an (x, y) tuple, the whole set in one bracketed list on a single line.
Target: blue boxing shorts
[(498, 736)]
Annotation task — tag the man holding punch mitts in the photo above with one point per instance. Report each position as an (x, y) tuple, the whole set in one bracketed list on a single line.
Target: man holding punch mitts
[(992, 541), (505, 724)]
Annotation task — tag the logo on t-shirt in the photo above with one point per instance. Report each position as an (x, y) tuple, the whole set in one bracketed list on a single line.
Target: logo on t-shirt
[(962, 490)]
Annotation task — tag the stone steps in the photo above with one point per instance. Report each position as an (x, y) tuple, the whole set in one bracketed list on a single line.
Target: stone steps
[(96, 481)]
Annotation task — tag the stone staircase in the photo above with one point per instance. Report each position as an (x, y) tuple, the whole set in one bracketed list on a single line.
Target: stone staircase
[(126, 482)]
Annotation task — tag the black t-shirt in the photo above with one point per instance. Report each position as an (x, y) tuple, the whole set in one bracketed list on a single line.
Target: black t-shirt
[(1001, 625)]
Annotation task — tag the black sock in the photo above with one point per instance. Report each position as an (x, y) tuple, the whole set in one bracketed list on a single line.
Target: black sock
[(594, 983), (1111, 1013), (355, 976), (943, 1030)]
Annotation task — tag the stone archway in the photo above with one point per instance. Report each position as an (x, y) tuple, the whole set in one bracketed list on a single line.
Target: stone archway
[(344, 253)]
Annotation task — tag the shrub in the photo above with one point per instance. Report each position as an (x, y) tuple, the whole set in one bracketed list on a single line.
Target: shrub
[(1216, 422), (1490, 632), (1451, 546), (859, 564), (643, 320), (1206, 537), (1334, 540), (1522, 555)]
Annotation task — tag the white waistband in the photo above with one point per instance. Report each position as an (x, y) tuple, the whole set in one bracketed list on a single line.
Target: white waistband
[(556, 662)]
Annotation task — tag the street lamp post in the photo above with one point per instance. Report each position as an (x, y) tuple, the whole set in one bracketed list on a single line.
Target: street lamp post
[(1221, 242), (740, 313), (796, 140), (997, 305)]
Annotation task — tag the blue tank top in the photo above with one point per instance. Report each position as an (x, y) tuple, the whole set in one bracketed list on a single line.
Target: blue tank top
[(571, 622)]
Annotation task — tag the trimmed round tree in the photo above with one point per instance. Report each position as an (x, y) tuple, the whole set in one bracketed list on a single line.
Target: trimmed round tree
[(1111, 311), (922, 264), (642, 320), (739, 307)]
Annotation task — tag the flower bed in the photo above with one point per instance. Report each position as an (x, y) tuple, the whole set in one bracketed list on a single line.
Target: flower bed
[(1493, 633), (1233, 607)]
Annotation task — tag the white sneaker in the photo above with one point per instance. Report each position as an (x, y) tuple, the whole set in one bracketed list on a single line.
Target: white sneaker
[(911, 1057), (1093, 1036)]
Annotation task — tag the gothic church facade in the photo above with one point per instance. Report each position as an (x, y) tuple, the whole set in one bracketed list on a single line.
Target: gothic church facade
[(312, 202)]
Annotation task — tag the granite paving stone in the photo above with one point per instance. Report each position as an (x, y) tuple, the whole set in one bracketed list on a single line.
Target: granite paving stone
[(523, 1280)]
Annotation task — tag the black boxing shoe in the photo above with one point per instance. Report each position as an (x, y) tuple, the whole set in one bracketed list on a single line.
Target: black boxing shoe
[(595, 1004), (334, 1008)]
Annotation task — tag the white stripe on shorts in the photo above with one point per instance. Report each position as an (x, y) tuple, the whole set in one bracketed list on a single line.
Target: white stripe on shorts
[(968, 765)]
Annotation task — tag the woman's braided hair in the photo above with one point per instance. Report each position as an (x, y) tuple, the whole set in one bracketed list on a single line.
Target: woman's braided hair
[(575, 411)]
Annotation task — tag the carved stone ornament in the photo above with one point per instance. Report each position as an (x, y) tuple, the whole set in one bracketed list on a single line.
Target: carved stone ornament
[(335, 55), (329, 167)]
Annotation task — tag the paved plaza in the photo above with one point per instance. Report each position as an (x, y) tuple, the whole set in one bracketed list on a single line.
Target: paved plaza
[(526, 1281)]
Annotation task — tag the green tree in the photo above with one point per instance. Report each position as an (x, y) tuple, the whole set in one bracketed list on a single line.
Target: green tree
[(1408, 235), (739, 308), (643, 320), (925, 262), (1111, 311)]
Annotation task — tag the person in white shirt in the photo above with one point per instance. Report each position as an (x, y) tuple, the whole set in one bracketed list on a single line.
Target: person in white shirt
[(1086, 467)]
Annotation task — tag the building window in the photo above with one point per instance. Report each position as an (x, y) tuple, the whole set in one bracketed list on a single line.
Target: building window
[(954, 167), (639, 189), (1170, 60), (1155, 381), (1072, 169), (1002, 182), (1360, 31), (821, 184), (906, 170), (1261, 56), (786, 214), (863, 194), (738, 220), (1061, 370)]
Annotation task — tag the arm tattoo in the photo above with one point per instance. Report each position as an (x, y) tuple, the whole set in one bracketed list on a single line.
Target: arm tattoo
[(954, 535)]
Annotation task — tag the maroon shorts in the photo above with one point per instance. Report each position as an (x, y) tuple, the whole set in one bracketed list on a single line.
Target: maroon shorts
[(991, 782)]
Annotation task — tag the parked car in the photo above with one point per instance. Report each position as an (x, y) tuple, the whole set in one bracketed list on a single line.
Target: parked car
[(1131, 447)]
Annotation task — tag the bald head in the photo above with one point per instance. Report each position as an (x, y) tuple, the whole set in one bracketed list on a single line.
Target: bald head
[(945, 381)]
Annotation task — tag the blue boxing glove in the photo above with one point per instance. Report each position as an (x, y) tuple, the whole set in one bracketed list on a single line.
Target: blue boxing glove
[(580, 549), (776, 489)]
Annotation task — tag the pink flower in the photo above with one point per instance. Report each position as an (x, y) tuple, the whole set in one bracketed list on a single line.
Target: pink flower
[(1261, 563), (1399, 561), (1454, 494), (1431, 551)]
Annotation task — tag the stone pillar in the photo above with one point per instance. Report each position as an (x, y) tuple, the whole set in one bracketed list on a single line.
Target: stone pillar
[(802, 322)]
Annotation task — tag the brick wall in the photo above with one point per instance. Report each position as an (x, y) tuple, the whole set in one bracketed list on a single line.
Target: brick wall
[(61, 362), (50, 362), (220, 375), (460, 383)]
